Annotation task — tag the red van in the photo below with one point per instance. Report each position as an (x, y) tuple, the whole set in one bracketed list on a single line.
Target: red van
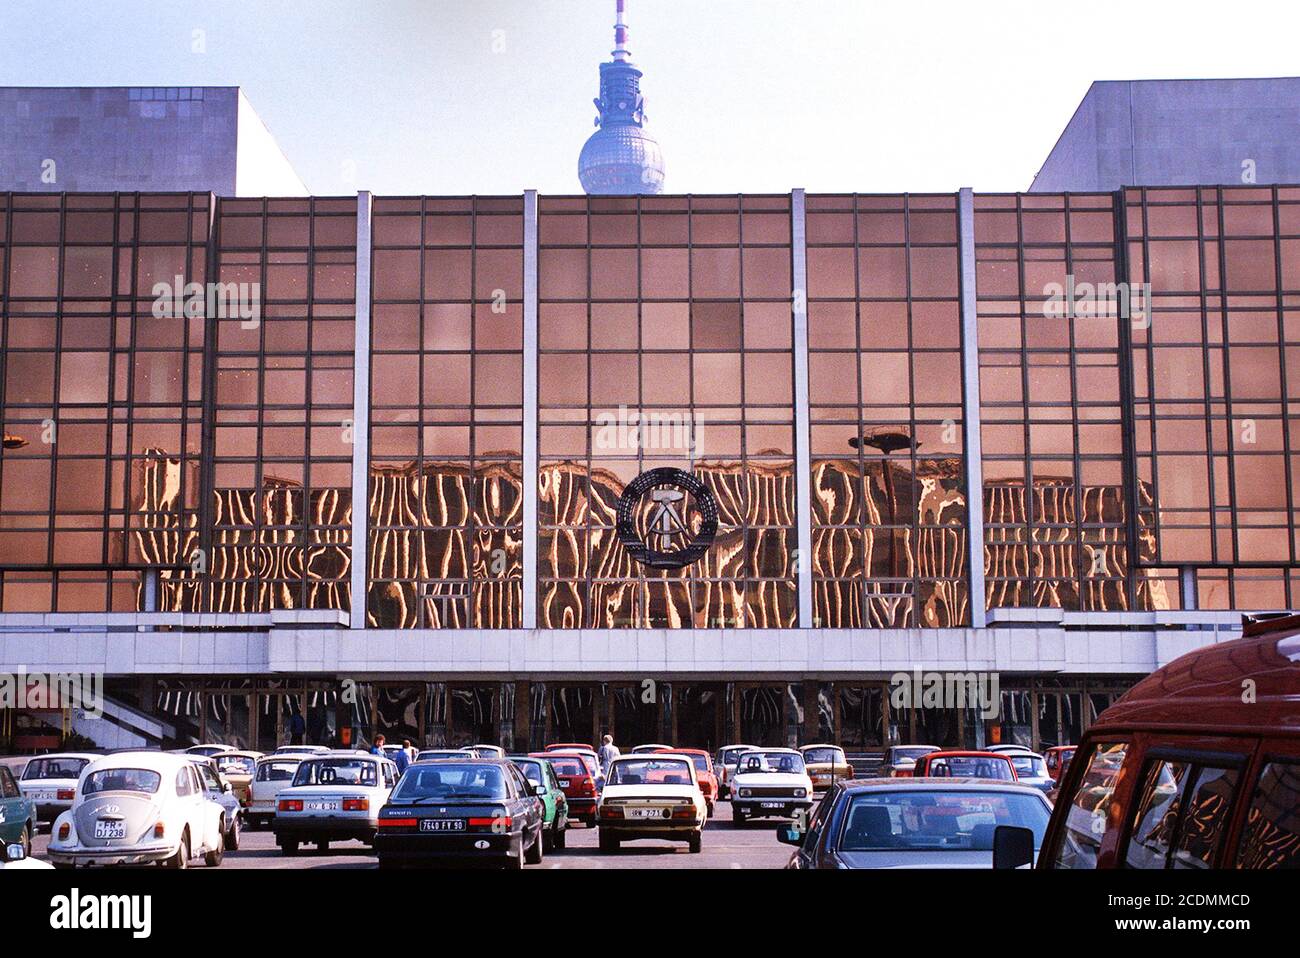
[(1197, 766)]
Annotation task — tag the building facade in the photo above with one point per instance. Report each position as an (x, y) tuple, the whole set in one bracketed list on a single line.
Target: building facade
[(367, 459)]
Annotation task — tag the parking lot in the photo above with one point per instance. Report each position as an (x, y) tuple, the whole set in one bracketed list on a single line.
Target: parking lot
[(725, 845)]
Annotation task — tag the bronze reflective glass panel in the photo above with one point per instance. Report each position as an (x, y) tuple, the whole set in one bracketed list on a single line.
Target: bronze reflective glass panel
[(446, 433), (666, 331), (885, 392)]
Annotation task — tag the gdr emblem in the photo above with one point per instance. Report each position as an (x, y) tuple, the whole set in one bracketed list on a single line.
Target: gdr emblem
[(667, 518)]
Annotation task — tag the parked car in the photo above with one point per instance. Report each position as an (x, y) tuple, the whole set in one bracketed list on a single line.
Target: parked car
[(1181, 773), (826, 764), (900, 760), (555, 806), (703, 772), (488, 751), (17, 813), (913, 823), (50, 781), (770, 782), (964, 763), (577, 783), (17, 858), (273, 775), (138, 807), (209, 749), (301, 750), (643, 749), (651, 796), (1058, 760), (591, 760), (221, 792), (466, 810), (559, 746), (725, 763), (1031, 769), (237, 769), (333, 797)]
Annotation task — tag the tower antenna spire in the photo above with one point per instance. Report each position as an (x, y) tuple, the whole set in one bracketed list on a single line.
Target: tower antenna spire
[(621, 52)]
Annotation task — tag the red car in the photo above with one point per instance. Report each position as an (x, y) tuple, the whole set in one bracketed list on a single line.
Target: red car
[(966, 764), (578, 784), (1058, 760), (554, 746), (703, 771)]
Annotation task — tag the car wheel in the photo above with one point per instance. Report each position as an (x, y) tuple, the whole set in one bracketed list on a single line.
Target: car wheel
[(608, 843), (213, 858), (289, 846), (181, 860), (708, 810), (232, 837), (548, 839), (694, 843), (536, 851), (515, 862), (559, 838), (322, 847), (739, 816), (26, 841)]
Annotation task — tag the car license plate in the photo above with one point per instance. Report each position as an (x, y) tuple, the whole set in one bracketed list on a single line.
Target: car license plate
[(442, 824), (320, 806), (771, 804), (564, 783), (110, 829), (645, 813), (44, 796)]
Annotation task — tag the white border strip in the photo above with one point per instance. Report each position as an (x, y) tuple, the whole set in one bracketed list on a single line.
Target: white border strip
[(971, 426), (361, 417), (529, 469), (802, 435)]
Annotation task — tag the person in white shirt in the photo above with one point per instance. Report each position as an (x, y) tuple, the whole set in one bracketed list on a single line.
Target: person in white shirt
[(607, 752)]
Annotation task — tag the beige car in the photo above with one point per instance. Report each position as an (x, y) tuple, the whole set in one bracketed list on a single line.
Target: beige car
[(826, 765), (238, 768)]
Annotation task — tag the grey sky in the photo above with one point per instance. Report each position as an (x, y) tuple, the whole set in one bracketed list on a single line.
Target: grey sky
[(494, 96)]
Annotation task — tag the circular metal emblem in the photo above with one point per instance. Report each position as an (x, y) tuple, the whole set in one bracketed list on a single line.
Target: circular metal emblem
[(664, 535)]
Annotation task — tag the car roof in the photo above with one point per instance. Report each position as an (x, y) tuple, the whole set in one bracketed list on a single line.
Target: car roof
[(685, 751), (1202, 690), (964, 753), (760, 748), (821, 745), (90, 755), (933, 784), (288, 756), (145, 759)]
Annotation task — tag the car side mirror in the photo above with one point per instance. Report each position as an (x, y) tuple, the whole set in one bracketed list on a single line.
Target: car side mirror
[(15, 853), (789, 835), (1013, 847), (537, 790), (226, 787)]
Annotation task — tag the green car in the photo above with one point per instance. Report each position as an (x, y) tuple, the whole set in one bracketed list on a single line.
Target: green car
[(17, 814), (555, 807)]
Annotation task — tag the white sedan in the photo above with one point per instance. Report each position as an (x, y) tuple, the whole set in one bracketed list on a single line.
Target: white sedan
[(49, 781), (139, 807), (651, 796), (333, 797), (770, 782), (274, 774)]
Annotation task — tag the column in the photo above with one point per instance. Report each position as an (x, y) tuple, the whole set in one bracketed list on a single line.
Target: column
[(529, 611), (361, 417), (802, 436), (971, 410)]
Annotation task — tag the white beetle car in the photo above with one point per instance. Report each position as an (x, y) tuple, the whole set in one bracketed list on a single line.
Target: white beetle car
[(139, 807), (333, 797), (651, 796), (49, 781), (770, 782)]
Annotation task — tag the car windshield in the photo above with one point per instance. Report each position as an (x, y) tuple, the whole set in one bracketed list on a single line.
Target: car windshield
[(1029, 766), (236, 764), (910, 754), (450, 780), (276, 771), (823, 756), (791, 763), (55, 768), (568, 766), (532, 771), (122, 780), (650, 771), (970, 766), (937, 821), (336, 771)]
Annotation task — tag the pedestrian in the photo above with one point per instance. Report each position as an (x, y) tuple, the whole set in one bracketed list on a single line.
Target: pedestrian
[(296, 728), (409, 749), (378, 747), (607, 752), (400, 759)]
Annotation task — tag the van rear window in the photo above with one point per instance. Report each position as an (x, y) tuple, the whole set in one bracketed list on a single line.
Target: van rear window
[(1087, 818), (1271, 837)]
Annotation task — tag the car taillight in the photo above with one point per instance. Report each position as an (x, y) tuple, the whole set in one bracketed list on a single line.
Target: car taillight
[(611, 811), (356, 804), (159, 830), (685, 811), (397, 823), (587, 787), (65, 794), (500, 822), (290, 805), (64, 832)]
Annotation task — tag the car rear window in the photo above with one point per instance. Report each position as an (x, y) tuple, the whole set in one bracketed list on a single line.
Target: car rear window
[(1271, 837), (650, 771), (122, 780), (930, 820), (60, 768), (276, 771), (468, 780), (336, 771), (970, 766), (568, 766)]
